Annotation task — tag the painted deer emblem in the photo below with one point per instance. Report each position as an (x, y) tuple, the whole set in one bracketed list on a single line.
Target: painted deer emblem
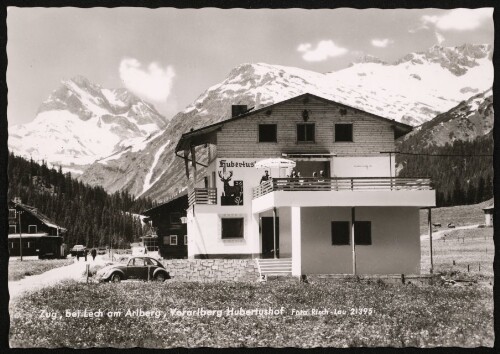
[(230, 191)]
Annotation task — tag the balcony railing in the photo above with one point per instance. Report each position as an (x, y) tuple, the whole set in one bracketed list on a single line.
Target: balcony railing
[(340, 184), (202, 196)]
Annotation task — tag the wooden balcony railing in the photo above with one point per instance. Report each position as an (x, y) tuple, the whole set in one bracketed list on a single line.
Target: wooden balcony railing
[(203, 196), (339, 184)]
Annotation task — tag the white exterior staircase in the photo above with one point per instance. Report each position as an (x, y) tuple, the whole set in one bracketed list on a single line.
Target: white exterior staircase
[(272, 266)]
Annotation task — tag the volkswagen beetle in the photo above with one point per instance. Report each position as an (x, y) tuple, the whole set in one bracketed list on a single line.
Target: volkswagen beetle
[(136, 268)]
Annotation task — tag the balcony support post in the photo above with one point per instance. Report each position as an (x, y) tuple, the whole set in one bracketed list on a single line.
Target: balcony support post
[(274, 234), (186, 163), (193, 163), (353, 243), (296, 241), (429, 220)]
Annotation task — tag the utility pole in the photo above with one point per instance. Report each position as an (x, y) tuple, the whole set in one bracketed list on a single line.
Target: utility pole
[(20, 236)]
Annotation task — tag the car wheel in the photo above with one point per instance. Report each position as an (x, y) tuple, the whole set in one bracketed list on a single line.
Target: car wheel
[(161, 277), (116, 277)]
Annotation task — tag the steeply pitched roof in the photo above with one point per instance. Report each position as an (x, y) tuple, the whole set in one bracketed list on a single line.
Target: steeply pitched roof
[(168, 201), (181, 145), (43, 218)]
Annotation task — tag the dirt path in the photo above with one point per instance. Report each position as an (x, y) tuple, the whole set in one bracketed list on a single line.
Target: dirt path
[(73, 271), (438, 234)]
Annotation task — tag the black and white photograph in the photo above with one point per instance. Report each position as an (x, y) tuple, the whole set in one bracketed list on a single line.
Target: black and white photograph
[(250, 177)]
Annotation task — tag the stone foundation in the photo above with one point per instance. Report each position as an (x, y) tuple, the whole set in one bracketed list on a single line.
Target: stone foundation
[(210, 270)]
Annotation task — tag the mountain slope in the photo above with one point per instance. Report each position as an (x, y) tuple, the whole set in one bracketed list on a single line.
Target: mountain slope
[(81, 122), (467, 121), (391, 90), (455, 149)]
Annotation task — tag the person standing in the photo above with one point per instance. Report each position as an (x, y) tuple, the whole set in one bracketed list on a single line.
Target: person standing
[(93, 253), (266, 177)]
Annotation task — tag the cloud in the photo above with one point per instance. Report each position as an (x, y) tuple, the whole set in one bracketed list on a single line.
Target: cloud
[(439, 37), (152, 83), (457, 19), (381, 43), (323, 51)]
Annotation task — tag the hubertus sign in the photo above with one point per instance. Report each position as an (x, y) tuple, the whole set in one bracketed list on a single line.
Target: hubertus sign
[(232, 194), (225, 164)]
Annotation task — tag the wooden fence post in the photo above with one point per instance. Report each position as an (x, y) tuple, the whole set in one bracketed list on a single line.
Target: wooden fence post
[(88, 268)]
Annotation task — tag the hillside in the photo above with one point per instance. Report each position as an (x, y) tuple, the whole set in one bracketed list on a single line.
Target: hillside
[(91, 216), (413, 90)]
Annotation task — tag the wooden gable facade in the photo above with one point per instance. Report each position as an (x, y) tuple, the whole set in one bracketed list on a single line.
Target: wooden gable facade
[(166, 219)]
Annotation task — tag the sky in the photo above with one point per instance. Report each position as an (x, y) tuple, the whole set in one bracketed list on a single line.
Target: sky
[(169, 57)]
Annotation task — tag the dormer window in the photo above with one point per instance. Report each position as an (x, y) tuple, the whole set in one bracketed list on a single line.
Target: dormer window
[(268, 133)]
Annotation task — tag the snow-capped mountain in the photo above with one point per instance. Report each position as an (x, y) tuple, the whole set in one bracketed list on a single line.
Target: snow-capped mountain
[(467, 121), (81, 122), (412, 90)]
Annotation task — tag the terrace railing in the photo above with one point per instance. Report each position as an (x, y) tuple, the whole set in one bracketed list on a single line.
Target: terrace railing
[(341, 183), (202, 196)]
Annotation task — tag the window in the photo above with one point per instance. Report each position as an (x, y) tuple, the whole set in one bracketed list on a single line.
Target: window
[(305, 132), (32, 229), (340, 232), (12, 245), (166, 240), (232, 227), (12, 229), (29, 244), (363, 233), (185, 239), (175, 218), (12, 213), (173, 240), (343, 132), (268, 133)]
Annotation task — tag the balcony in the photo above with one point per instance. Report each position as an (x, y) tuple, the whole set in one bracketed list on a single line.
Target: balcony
[(356, 191), (202, 196)]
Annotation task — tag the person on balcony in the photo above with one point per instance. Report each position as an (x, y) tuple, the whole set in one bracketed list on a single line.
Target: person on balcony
[(266, 177)]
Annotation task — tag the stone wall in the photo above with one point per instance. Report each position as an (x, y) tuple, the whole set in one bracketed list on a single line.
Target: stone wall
[(209, 270)]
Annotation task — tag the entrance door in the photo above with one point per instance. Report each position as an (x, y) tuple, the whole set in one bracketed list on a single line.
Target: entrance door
[(268, 237)]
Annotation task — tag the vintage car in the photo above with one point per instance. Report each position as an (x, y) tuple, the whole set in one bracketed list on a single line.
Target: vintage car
[(80, 250), (136, 268)]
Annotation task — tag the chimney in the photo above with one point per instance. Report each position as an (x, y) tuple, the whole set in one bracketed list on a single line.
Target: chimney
[(237, 109), (257, 101)]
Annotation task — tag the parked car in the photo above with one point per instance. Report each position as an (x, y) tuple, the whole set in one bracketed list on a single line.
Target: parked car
[(451, 225), (101, 250), (136, 268), (436, 224), (80, 250)]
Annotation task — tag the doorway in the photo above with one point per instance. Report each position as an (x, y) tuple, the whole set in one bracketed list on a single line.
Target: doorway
[(268, 237)]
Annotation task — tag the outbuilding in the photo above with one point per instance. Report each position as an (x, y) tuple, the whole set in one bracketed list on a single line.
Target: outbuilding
[(488, 215), (32, 233)]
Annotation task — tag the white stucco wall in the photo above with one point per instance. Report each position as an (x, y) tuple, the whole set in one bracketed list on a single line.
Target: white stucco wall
[(360, 166), (395, 247), (204, 233)]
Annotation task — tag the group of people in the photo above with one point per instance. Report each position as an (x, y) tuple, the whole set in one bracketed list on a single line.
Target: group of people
[(295, 176), (93, 253)]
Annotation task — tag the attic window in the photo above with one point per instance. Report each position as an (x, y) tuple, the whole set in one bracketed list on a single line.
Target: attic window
[(268, 133), (306, 133), (343, 132), (32, 229)]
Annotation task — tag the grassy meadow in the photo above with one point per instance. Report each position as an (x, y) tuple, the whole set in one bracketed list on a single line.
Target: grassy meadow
[(20, 269), (395, 315)]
